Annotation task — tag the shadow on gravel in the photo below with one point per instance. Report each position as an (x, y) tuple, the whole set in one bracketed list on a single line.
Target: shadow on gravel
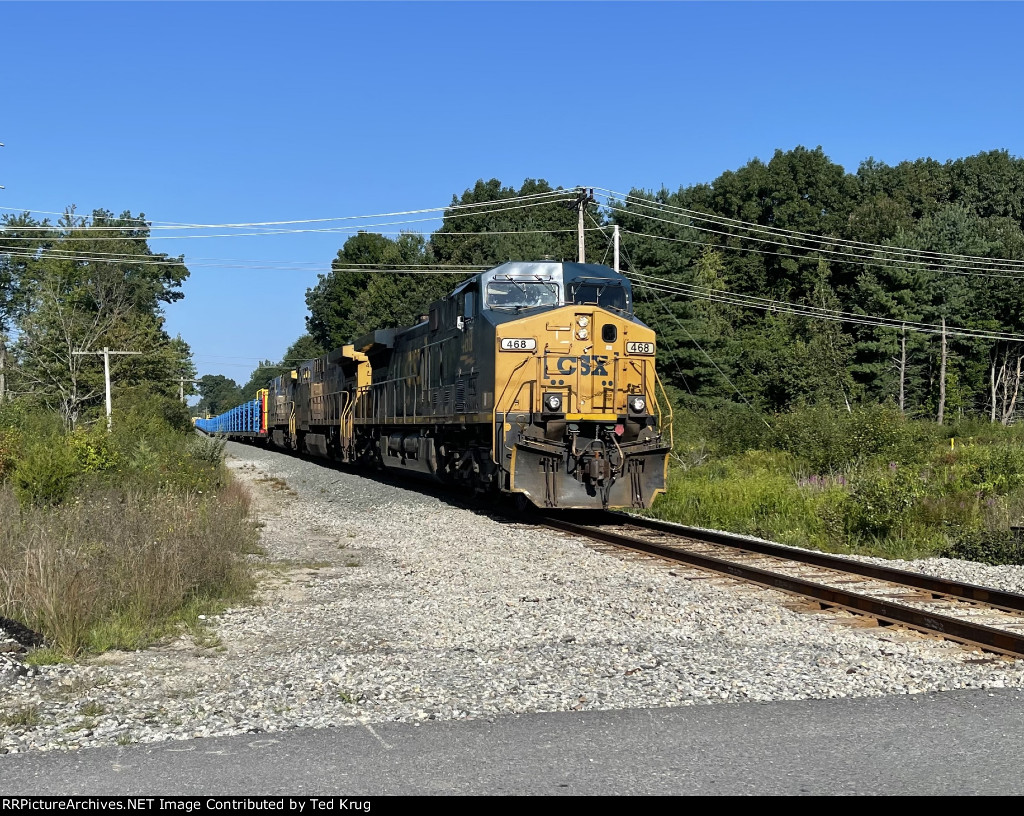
[(499, 507)]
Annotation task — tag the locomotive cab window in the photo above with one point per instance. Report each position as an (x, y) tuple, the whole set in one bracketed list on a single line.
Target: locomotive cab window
[(467, 303), (517, 294), (606, 294)]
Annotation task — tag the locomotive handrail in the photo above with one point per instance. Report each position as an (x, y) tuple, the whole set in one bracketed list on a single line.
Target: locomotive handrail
[(319, 399), (523, 384), (668, 405), (508, 382)]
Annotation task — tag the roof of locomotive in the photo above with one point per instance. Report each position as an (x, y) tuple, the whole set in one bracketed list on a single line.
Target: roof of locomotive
[(562, 273)]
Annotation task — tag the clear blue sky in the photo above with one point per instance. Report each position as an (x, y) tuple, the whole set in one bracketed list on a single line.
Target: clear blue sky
[(239, 112)]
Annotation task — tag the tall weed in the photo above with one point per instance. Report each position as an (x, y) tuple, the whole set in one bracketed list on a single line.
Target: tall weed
[(121, 555), (93, 563), (753, 493)]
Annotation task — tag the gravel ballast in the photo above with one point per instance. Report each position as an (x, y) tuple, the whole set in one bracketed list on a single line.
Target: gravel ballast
[(382, 603)]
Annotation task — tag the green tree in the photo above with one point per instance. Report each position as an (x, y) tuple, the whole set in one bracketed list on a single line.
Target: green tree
[(363, 292), (21, 239), (96, 284), (483, 228), (303, 349), (218, 394), (830, 346)]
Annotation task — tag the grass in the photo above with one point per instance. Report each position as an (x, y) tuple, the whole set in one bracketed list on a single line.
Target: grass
[(872, 484), (119, 568), (46, 656), (27, 716), (754, 494), (276, 483)]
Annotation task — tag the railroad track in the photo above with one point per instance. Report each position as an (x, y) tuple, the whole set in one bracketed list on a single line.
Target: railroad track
[(977, 616)]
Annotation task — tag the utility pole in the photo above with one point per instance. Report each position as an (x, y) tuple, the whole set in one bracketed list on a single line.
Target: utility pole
[(106, 375), (942, 374), (3, 369), (583, 198), (616, 244), (903, 368), (181, 387)]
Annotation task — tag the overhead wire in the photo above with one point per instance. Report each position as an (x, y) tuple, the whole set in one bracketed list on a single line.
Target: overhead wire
[(811, 237), (843, 257), (549, 197), (917, 257), (806, 310), (495, 207)]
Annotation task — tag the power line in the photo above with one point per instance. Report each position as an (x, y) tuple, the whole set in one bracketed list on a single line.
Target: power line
[(711, 245), (843, 257), (816, 312), (534, 199), (812, 237)]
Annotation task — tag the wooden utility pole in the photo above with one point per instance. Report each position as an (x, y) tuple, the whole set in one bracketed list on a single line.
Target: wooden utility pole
[(106, 375), (903, 368), (181, 387), (583, 198), (942, 374)]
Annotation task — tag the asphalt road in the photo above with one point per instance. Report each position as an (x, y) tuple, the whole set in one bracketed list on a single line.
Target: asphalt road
[(956, 743)]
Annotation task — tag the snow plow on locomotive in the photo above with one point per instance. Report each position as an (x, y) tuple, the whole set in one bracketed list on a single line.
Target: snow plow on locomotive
[(533, 378)]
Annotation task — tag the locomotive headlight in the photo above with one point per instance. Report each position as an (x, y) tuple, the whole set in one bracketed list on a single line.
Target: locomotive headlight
[(581, 334), (553, 403), (637, 404), (583, 321)]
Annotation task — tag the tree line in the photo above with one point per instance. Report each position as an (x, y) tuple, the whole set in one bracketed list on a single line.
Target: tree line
[(781, 284)]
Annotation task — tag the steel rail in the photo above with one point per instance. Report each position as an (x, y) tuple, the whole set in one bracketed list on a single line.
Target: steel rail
[(973, 634), (970, 592)]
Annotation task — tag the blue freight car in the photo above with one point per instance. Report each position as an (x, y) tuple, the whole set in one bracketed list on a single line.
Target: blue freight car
[(248, 419)]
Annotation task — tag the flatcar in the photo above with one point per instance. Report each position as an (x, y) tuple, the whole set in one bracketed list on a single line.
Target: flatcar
[(533, 378)]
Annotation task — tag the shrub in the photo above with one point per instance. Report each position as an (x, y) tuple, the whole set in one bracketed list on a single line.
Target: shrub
[(46, 472), (880, 501), (137, 407), (94, 450), (989, 470), (728, 428), (831, 440), (987, 546), (10, 450)]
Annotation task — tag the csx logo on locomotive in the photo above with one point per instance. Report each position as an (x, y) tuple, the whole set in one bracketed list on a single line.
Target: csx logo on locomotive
[(589, 365)]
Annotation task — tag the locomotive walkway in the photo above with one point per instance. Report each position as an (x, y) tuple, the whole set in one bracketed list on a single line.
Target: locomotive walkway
[(955, 743)]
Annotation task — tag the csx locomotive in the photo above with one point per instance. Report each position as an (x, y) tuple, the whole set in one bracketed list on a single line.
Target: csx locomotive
[(533, 378)]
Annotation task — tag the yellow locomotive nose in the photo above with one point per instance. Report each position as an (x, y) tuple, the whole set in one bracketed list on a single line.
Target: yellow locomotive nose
[(574, 393)]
